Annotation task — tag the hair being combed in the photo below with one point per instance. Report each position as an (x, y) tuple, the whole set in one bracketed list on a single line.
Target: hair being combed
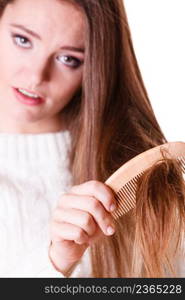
[(160, 220), (113, 121)]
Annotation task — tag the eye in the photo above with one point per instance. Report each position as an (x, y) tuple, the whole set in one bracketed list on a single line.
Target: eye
[(70, 61), (21, 41)]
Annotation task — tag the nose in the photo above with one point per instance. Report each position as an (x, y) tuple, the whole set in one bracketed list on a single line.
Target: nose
[(40, 71)]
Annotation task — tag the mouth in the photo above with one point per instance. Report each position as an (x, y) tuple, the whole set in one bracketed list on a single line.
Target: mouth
[(27, 97)]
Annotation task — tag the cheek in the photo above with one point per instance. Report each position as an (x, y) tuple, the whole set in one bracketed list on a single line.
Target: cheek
[(8, 65), (7, 60), (12, 62), (67, 87), (5, 65)]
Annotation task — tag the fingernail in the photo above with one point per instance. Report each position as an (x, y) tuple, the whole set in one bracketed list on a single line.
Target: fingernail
[(110, 230), (112, 207)]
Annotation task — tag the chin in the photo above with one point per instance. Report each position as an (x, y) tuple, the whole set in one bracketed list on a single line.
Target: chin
[(21, 116)]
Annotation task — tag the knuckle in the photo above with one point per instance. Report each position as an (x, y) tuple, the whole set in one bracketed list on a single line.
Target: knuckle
[(62, 199), (109, 193), (94, 184), (87, 220), (110, 201), (102, 216), (95, 205), (74, 188), (79, 234), (97, 209), (109, 197), (107, 220)]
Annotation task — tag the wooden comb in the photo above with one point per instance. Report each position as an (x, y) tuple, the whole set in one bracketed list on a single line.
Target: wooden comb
[(124, 181)]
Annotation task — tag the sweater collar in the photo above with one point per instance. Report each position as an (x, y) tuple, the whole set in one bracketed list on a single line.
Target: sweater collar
[(43, 147)]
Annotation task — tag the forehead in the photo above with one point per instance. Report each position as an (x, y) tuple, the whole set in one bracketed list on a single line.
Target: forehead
[(48, 17)]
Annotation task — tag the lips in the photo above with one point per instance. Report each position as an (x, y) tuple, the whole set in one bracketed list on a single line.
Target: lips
[(26, 99)]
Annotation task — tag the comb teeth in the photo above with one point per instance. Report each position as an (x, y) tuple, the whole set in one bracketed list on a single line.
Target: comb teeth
[(126, 196), (126, 199), (181, 160)]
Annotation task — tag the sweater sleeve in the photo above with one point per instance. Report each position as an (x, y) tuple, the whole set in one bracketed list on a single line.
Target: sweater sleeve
[(47, 269), (37, 264)]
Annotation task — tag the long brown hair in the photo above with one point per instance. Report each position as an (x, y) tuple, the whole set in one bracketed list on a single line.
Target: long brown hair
[(113, 121)]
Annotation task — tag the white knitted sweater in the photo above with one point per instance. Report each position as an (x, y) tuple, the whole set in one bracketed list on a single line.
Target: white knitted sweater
[(33, 175)]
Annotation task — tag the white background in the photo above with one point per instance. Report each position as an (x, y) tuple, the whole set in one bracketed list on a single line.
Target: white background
[(158, 34)]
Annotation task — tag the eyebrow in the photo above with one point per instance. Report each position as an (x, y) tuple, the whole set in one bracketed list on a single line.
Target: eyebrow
[(29, 31)]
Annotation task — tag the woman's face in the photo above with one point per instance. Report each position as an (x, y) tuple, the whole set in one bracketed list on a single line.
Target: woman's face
[(41, 52)]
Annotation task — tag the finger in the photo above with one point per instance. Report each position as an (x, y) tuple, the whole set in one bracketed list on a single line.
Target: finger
[(93, 206), (98, 190), (65, 231), (76, 217)]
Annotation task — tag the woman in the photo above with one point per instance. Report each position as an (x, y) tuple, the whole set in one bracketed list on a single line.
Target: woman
[(73, 109)]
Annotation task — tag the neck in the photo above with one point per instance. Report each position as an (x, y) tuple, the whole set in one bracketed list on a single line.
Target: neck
[(43, 126), (18, 149)]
